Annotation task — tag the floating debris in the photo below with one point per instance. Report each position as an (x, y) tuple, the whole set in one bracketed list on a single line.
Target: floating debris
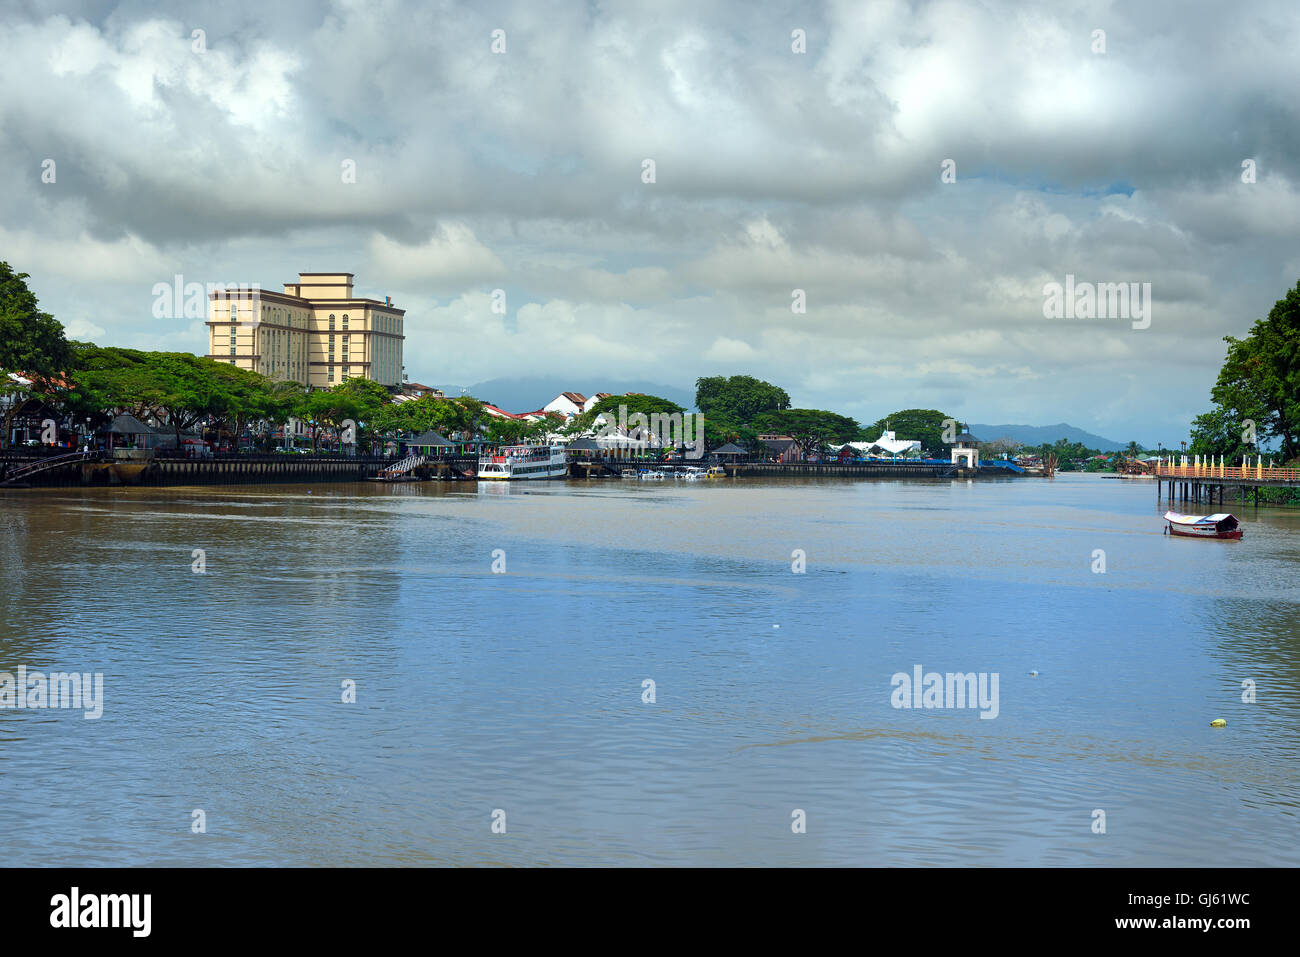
[(1218, 723)]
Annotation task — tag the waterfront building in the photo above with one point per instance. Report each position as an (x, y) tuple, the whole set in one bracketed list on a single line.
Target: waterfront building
[(781, 448), (568, 404), (966, 448), (316, 332)]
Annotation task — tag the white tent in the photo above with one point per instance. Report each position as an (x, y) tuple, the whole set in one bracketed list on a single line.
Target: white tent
[(892, 445)]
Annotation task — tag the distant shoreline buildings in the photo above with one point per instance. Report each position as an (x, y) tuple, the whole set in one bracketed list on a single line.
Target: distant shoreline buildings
[(316, 332)]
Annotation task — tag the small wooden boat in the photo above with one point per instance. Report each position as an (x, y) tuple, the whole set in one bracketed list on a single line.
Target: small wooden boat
[(1221, 525)]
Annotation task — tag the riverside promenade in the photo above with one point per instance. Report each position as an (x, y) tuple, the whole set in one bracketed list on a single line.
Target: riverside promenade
[(130, 467)]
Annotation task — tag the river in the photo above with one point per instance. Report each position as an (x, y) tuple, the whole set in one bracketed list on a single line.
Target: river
[(501, 641)]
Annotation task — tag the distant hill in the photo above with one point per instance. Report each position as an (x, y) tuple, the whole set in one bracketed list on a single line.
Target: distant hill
[(1038, 434), (525, 395)]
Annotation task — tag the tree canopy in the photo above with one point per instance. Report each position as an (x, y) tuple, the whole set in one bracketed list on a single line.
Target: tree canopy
[(31, 341), (738, 399), (811, 428), (1260, 382), (922, 425), (647, 405)]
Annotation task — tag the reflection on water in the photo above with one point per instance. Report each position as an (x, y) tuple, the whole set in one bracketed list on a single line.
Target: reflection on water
[(523, 690)]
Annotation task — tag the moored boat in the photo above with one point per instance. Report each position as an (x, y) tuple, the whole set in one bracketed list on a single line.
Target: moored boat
[(515, 462), (1221, 525)]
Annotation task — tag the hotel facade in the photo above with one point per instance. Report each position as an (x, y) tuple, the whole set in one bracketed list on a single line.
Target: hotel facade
[(316, 332)]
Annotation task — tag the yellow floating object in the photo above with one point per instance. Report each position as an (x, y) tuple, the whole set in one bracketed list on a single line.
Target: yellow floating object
[(1218, 723)]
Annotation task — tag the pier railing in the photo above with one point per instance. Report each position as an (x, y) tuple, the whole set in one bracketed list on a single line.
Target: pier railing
[(1218, 470)]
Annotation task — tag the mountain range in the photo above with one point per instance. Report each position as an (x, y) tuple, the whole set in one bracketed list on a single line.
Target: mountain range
[(1038, 434)]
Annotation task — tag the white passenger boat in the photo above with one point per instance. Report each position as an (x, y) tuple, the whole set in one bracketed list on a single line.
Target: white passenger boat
[(517, 462), (651, 474), (690, 473)]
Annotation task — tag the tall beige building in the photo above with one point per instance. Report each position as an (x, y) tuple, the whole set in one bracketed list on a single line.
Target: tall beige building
[(315, 332)]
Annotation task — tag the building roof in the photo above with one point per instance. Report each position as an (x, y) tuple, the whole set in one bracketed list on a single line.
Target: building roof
[(500, 413), (778, 445), (731, 448), (966, 439), (575, 397), (583, 445), (890, 443), (431, 439), (127, 424)]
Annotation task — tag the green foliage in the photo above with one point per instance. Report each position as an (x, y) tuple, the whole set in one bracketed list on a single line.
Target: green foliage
[(1260, 378), (370, 396), (1072, 456), (176, 387), (463, 415), (647, 405), (1219, 432), (31, 341), (811, 428), (915, 425), (510, 431), (738, 399), (720, 433)]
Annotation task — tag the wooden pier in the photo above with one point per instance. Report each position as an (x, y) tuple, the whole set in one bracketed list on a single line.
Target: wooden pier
[(1207, 481)]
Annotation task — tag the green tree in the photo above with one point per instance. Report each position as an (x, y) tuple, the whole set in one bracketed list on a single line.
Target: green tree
[(1260, 378), (738, 399), (511, 431), (1219, 432), (646, 405), (32, 344), (325, 409), (811, 428), (915, 425)]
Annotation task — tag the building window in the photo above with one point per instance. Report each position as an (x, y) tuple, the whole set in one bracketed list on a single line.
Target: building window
[(345, 321), (331, 322)]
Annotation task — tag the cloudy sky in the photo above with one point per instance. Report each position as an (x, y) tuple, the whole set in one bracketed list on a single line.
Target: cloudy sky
[(220, 157)]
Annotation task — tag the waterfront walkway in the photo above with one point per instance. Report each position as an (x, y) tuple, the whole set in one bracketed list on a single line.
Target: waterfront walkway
[(1206, 481)]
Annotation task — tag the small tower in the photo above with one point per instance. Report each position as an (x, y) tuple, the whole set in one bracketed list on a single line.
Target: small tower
[(966, 447)]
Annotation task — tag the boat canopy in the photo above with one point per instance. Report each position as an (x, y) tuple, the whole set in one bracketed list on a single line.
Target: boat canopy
[(1225, 519)]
